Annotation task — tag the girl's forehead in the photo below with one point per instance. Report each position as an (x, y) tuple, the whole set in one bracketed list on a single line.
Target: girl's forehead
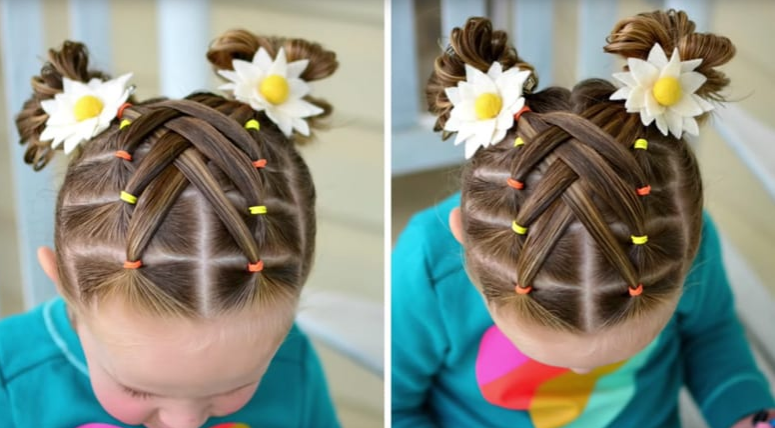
[(176, 357)]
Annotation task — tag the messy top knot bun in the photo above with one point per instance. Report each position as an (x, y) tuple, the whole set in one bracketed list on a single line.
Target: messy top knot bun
[(70, 61), (242, 45), (635, 36), (477, 45)]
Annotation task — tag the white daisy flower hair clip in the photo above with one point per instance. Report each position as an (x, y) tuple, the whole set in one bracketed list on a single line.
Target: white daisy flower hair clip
[(479, 93), (664, 91), (274, 78)]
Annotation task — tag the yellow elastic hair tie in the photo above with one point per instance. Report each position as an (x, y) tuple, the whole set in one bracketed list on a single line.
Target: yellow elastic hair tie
[(641, 143), (519, 230), (258, 209), (519, 142), (124, 123), (639, 240), (128, 198), (252, 124)]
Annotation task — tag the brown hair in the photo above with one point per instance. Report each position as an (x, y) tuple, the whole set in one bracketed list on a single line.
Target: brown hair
[(580, 175), (193, 175)]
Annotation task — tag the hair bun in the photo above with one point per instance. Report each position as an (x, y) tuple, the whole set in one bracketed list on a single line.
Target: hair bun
[(479, 46), (634, 37), (242, 45), (70, 61)]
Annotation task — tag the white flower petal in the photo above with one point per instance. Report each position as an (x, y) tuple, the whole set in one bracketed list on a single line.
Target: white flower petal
[(504, 120), (690, 65), (484, 132), (471, 148), (662, 124), (691, 81), (498, 136), (657, 56), (686, 107), (465, 133), (262, 60), (652, 106), (465, 111), (621, 94), (674, 123), (298, 108), (636, 99), (283, 122), (645, 118), (690, 126), (297, 88), (514, 107), (673, 67), (453, 124), (510, 85), (453, 94), (245, 70), (301, 125), (296, 68), (643, 72), (626, 78), (495, 71), (704, 105), (280, 64)]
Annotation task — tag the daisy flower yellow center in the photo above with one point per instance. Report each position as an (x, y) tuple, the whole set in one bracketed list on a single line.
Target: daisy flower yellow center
[(487, 106), (274, 89), (87, 107), (667, 91)]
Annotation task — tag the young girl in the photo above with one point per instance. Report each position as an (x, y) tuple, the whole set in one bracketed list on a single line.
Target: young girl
[(185, 230), (578, 282)]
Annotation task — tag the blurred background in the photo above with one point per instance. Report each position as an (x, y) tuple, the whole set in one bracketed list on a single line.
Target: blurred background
[(564, 40), (163, 42)]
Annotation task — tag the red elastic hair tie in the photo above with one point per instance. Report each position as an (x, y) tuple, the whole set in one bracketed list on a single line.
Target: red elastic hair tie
[(518, 114), (645, 190), (256, 267), (516, 184), (522, 290), (132, 265), (123, 154), (259, 163), (121, 109), (636, 291)]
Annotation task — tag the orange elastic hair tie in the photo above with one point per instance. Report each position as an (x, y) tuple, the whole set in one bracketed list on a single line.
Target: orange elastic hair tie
[(516, 184), (121, 109), (645, 190), (259, 163), (522, 290), (132, 265), (518, 114), (636, 291), (256, 267), (123, 154)]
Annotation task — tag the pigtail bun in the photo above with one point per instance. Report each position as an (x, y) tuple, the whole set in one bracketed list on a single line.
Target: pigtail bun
[(71, 61), (243, 45), (635, 36), (477, 45)]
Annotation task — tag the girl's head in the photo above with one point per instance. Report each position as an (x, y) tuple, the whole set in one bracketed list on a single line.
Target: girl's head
[(581, 214), (185, 229)]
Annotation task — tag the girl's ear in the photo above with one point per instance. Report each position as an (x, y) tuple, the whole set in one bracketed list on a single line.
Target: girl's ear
[(456, 224), (48, 261)]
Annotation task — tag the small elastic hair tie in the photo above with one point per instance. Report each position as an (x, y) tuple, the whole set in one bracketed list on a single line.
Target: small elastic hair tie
[(120, 112), (519, 230), (516, 184), (518, 114), (124, 123), (128, 198), (519, 142), (641, 143), (133, 265), (123, 154), (645, 190), (256, 267), (252, 124), (258, 209), (522, 290), (636, 291), (639, 240), (259, 163)]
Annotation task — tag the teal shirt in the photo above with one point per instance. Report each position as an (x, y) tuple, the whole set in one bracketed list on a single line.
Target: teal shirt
[(451, 367), (44, 380)]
